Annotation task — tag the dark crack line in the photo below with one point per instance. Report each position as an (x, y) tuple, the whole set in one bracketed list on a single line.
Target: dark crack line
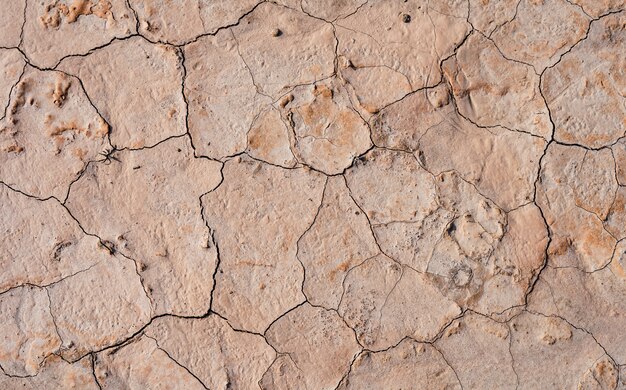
[(93, 370), (309, 227), (19, 79), (176, 361), (45, 286)]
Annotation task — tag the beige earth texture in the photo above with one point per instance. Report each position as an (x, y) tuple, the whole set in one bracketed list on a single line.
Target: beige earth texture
[(313, 194)]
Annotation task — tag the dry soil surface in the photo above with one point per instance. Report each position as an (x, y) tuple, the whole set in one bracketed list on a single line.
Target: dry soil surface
[(313, 194)]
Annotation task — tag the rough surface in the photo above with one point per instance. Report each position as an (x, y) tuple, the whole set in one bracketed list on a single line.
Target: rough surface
[(318, 342), (313, 194), (11, 20), (416, 365), (219, 356), (173, 250), (155, 110), (49, 134), (55, 29), (541, 32), (12, 66), (490, 90), (177, 22), (259, 277), (585, 90)]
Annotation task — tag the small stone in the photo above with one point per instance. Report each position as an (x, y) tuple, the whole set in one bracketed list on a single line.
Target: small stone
[(406, 18)]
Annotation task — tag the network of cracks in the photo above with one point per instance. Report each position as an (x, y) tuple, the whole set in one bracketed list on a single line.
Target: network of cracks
[(313, 194)]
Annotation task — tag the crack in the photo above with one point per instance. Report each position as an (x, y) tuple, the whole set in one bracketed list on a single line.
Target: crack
[(181, 54), (304, 301), (54, 321), (176, 361), (591, 22), (136, 16), (579, 7), (93, 359), (22, 28), (217, 30), (28, 195), (45, 286), (88, 52), (19, 79), (448, 364), (579, 328), (510, 349), (369, 222), (310, 226), (256, 86), (112, 251), (499, 26), (338, 18), (344, 378), (211, 238), (109, 156), (343, 281)]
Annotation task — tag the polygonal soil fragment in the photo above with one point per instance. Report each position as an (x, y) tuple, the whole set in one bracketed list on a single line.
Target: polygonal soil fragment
[(49, 134), (282, 374), (257, 216), (485, 258), (502, 164), (112, 307), (284, 48), (409, 365), (223, 99), (331, 10), (154, 110), (269, 139), (412, 243), (46, 243), (319, 343), (11, 68), (585, 90), (11, 20), (571, 352), (55, 373), (145, 204), (385, 302), (489, 90), (592, 301), (182, 21), (576, 190), (472, 336), (141, 364), (57, 28), (328, 132), (27, 330), (391, 186), (392, 48), (401, 125), (515, 262), (219, 356), (488, 15), (339, 239), (541, 32)]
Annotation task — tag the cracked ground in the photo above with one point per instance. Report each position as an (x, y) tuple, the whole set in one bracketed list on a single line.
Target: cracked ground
[(313, 194)]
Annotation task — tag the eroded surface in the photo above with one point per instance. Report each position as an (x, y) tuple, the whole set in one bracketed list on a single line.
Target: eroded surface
[(299, 194)]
